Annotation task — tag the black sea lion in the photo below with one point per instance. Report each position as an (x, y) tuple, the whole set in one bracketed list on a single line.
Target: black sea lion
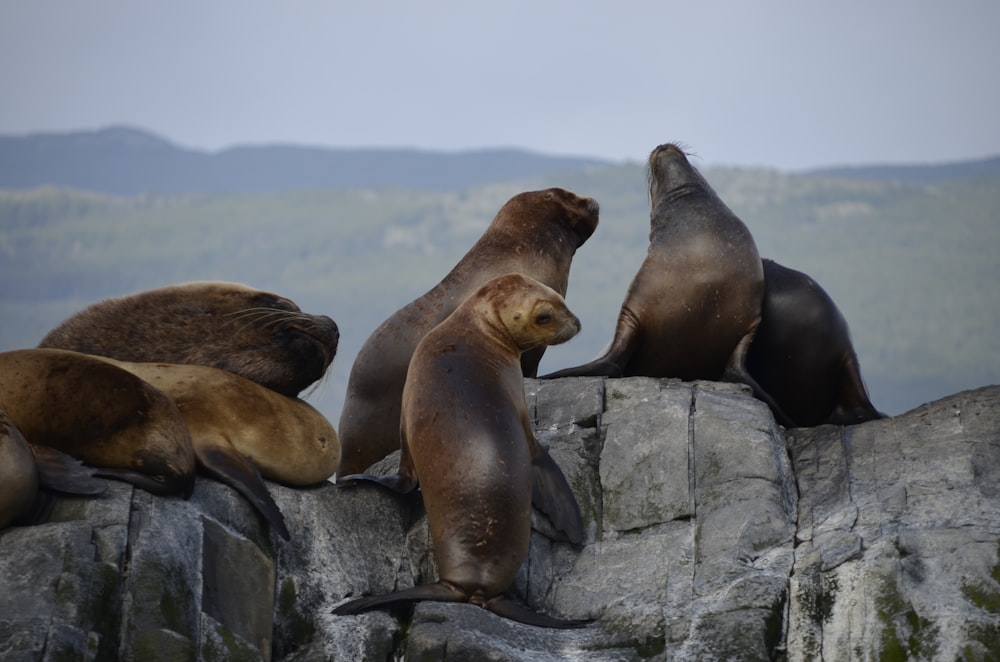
[(467, 439), (693, 307), (241, 430), (255, 334), (534, 233), (802, 353), (98, 413)]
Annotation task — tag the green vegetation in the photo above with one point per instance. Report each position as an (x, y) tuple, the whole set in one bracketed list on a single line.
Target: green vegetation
[(914, 268)]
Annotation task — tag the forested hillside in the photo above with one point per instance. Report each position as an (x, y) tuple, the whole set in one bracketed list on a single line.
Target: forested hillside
[(914, 267)]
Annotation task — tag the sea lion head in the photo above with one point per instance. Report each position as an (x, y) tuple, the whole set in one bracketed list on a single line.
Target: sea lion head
[(670, 173), (578, 215), (256, 334), (532, 314)]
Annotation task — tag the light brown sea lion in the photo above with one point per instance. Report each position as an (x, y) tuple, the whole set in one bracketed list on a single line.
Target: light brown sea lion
[(693, 308), (258, 335), (534, 233), (98, 413), (240, 428), (802, 354), (467, 440)]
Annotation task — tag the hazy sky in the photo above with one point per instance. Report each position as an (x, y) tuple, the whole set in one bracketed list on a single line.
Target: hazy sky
[(790, 84)]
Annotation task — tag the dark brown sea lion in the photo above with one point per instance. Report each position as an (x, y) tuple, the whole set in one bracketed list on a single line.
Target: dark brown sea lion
[(242, 430), (467, 439), (534, 233), (693, 308), (98, 413), (802, 353), (255, 334)]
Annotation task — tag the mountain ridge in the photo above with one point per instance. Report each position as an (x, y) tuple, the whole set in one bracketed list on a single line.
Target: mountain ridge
[(127, 160), (122, 160)]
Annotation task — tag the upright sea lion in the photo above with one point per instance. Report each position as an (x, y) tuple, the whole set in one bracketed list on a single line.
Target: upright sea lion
[(98, 413), (241, 430), (694, 306), (534, 233), (802, 354), (467, 439), (255, 334)]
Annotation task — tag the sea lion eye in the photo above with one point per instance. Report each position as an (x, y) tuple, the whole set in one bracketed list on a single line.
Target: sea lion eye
[(543, 319)]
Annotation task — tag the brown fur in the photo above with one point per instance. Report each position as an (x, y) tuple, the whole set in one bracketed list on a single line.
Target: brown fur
[(535, 233), (467, 440), (100, 414), (18, 477), (693, 308), (255, 334)]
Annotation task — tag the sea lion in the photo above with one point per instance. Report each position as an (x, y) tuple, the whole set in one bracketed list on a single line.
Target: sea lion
[(18, 476), (467, 440), (535, 233), (26, 468), (802, 353), (693, 307), (241, 430), (258, 335), (98, 413)]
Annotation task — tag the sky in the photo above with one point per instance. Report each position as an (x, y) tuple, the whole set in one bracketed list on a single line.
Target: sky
[(784, 84)]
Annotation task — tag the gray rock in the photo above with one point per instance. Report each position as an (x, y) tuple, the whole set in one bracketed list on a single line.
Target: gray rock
[(711, 533)]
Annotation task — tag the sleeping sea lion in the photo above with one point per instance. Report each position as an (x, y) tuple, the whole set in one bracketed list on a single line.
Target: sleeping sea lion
[(258, 335), (241, 430), (100, 414)]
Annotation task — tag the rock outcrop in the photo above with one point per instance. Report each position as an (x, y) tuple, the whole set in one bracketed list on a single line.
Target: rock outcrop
[(712, 533)]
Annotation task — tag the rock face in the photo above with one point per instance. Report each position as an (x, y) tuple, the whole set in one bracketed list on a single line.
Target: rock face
[(711, 534)]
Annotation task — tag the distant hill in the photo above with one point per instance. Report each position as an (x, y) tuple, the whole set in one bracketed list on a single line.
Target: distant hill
[(128, 161), (916, 174)]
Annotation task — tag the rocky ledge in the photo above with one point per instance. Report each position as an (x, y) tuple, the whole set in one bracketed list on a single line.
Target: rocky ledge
[(712, 533)]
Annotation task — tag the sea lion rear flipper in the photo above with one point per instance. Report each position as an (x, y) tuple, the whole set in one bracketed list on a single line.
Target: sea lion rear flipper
[(736, 372), (396, 482), (437, 592), (853, 404), (508, 607), (238, 472), (404, 481), (551, 494), (64, 473)]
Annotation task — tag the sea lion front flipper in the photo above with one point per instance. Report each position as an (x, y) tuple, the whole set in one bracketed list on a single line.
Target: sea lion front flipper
[(64, 473), (233, 469), (551, 494), (508, 607), (437, 592)]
